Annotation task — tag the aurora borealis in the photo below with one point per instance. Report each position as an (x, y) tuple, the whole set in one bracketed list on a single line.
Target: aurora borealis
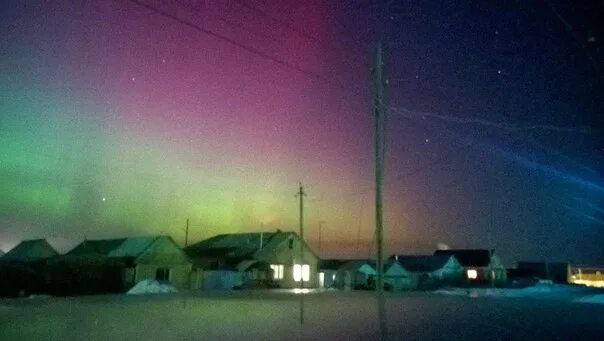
[(117, 121)]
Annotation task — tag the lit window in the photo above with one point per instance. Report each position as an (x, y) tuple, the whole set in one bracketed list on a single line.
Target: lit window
[(277, 271), (301, 272), (472, 274), (321, 279)]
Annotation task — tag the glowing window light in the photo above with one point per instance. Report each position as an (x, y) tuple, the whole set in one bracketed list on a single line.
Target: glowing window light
[(277, 271), (306, 272), (472, 274), (301, 272), (321, 279), (297, 272)]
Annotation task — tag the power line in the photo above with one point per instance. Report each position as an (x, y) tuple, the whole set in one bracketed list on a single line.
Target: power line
[(235, 43), (500, 125)]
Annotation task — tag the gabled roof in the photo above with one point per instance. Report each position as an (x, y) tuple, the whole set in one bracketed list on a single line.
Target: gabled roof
[(423, 263), (468, 257), (362, 265), (96, 247), (238, 245), (30, 250), (131, 247)]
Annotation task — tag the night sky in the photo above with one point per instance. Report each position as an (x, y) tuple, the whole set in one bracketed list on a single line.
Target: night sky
[(116, 120)]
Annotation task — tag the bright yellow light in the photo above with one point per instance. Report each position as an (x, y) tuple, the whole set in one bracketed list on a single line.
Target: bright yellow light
[(297, 272), (277, 271), (472, 274), (301, 272), (589, 283)]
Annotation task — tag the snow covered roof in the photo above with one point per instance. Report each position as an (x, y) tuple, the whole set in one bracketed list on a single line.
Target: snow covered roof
[(423, 263), (132, 247), (469, 257), (30, 250), (238, 245), (116, 248)]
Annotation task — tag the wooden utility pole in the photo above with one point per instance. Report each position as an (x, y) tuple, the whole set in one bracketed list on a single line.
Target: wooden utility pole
[(187, 233), (301, 195), (378, 120)]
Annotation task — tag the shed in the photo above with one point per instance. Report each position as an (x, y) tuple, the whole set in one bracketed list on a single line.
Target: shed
[(431, 270)]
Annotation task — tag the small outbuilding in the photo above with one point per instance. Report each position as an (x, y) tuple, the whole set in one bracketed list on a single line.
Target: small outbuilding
[(356, 274), (432, 270)]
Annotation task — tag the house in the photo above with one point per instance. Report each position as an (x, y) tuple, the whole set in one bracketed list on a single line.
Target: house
[(22, 268), (115, 265), (355, 274), (588, 275), (30, 251), (397, 278), (432, 270), (557, 272), (327, 272), (481, 266), (275, 259)]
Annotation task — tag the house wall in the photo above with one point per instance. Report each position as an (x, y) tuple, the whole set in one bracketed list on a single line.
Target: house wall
[(283, 254), (163, 253)]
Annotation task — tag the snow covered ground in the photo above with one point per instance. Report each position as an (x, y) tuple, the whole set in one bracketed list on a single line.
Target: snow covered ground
[(262, 315), (150, 286), (539, 291)]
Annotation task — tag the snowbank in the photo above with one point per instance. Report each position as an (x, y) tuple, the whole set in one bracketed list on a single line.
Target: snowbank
[(591, 299), (538, 290), (149, 286)]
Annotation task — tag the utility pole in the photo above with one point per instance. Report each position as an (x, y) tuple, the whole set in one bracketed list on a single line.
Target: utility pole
[(378, 120), (187, 233), (301, 195), (320, 228)]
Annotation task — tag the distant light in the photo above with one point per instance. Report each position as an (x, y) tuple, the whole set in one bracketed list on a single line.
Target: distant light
[(104, 199), (427, 140), (499, 72), (133, 79), (472, 274)]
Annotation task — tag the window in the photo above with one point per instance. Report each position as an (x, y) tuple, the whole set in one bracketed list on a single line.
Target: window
[(162, 274), (472, 274), (277, 271), (291, 243), (301, 272), (321, 279)]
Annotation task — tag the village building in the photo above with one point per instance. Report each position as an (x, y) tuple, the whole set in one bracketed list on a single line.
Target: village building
[(30, 251), (556, 272), (431, 270), (328, 269), (355, 274), (588, 275), (481, 266), (22, 268), (116, 265), (264, 259), (397, 278)]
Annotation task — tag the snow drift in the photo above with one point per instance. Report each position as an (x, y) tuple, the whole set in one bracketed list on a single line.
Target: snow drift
[(150, 286), (591, 299)]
